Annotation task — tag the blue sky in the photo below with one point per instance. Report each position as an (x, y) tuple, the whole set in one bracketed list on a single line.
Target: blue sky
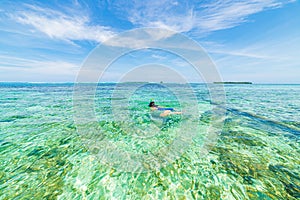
[(45, 41)]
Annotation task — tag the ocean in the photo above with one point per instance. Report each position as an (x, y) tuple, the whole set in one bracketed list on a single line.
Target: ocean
[(52, 149)]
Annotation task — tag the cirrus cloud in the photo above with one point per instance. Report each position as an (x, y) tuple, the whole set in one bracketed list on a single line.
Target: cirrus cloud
[(204, 17), (62, 26)]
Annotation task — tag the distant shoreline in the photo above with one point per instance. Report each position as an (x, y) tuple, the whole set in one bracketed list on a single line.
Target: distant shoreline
[(233, 82), (225, 82)]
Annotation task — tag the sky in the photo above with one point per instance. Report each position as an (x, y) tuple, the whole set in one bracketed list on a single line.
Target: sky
[(49, 41)]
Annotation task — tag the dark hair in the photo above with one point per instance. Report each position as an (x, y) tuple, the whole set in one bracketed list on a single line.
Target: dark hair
[(152, 104)]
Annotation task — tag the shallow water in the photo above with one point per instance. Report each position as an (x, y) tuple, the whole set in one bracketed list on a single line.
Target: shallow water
[(43, 156)]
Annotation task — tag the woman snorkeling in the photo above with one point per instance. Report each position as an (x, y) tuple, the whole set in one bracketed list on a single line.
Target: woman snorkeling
[(165, 111)]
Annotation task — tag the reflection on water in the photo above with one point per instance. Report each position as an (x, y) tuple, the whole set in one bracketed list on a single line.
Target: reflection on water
[(256, 155)]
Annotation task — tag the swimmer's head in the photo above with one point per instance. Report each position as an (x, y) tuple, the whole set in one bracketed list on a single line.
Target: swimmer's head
[(152, 104)]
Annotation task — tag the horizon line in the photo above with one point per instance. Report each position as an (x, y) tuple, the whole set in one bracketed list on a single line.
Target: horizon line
[(72, 82)]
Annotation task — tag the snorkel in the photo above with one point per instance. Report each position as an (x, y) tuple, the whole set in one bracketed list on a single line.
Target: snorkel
[(152, 104)]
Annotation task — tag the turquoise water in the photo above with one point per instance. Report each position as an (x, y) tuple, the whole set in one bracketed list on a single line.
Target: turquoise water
[(43, 156)]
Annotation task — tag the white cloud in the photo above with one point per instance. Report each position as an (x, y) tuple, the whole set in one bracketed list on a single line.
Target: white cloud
[(158, 57), (162, 14), (241, 53), (266, 60), (140, 38), (283, 49), (194, 16), (226, 14), (58, 25), (43, 67), (177, 16)]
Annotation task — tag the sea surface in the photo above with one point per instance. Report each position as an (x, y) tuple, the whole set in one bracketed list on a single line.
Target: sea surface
[(129, 153)]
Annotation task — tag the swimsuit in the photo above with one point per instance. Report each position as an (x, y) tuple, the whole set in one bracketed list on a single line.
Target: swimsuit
[(171, 109)]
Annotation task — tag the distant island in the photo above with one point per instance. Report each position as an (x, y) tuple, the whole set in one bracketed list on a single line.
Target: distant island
[(232, 82)]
